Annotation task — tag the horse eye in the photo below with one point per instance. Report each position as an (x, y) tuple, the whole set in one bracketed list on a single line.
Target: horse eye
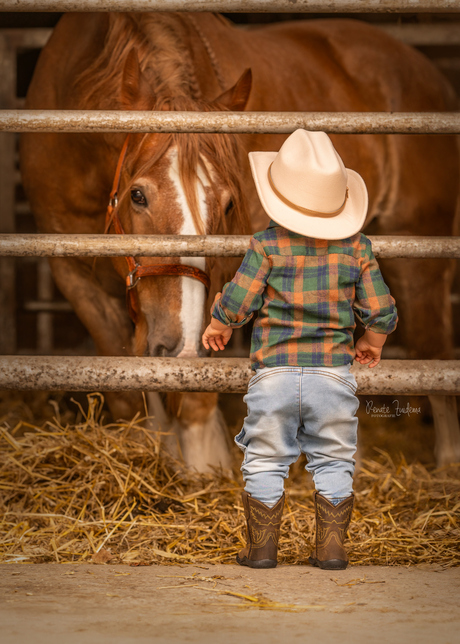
[(229, 207), (138, 197)]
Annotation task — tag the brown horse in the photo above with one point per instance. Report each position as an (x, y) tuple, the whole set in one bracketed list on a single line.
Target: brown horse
[(201, 183)]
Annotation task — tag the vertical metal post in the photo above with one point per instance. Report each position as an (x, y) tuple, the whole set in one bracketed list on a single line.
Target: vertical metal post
[(44, 318), (7, 189)]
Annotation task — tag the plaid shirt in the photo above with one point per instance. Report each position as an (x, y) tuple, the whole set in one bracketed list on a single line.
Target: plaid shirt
[(306, 292)]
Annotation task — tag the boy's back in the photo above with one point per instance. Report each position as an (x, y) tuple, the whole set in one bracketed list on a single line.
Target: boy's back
[(306, 292)]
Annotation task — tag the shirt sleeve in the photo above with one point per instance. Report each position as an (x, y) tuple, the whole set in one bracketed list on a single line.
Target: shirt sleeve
[(243, 296), (374, 306)]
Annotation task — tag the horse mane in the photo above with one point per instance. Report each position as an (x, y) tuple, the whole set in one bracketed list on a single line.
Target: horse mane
[(164, 60), (160, 42)]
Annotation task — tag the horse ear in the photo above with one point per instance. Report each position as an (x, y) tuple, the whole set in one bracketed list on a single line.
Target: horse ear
[(236, 98), (135, 91)]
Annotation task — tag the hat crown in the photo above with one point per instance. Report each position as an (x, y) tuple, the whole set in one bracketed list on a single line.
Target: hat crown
[(309, 173)]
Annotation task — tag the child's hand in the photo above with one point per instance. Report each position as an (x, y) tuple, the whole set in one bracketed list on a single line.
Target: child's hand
[(369, 348), (216, 335), (366, 353)]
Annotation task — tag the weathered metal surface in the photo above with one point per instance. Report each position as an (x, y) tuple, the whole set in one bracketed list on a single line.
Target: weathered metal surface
[(409, 377), (237, 6), (442, 33), (131, 245), (35, 245), (39, 306), (117, 374), (229, 122), (393, 246), (417, 377), (447, 33), (29, 38)]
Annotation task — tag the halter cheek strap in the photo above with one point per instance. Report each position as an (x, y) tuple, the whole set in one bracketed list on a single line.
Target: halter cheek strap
[(137, 271)]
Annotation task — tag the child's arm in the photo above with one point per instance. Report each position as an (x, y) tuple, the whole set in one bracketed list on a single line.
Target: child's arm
[(374, 307), (239, 299), (217, 334)]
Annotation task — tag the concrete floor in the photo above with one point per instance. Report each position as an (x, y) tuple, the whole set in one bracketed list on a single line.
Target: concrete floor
[(51, 603)]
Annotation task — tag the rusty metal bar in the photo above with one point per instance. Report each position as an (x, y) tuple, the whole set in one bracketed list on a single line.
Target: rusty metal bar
[(442, 33), (229, 122), (411, 377), (29, 38), (36, 245), (39, 306), (237, 6)]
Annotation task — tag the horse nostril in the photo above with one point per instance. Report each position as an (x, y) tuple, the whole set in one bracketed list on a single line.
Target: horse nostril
[(164, 351)]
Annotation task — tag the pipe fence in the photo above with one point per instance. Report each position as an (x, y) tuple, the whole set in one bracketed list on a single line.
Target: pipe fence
[(226, 375), (419, 377), (88, 245), (229, 122), (238, 6)]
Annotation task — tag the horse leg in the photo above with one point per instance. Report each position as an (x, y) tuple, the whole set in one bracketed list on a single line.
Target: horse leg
[(445, 417), (200, 430), (104, 315), (426, 327)]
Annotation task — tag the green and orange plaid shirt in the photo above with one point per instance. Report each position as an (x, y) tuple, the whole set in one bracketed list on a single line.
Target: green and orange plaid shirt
[(306, 292)]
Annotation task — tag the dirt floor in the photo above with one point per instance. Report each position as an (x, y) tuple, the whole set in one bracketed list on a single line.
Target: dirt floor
[(88, 603)]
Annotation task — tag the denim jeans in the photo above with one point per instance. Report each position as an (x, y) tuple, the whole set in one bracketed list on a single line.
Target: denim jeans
[(299, 409)]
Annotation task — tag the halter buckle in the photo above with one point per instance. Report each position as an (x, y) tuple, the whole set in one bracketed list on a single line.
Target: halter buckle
[(131, 279), (113, 201)]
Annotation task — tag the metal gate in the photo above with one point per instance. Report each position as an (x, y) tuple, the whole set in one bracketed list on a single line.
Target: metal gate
[(393, 376)]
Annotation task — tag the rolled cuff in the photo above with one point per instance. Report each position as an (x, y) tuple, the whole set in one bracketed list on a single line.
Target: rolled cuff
[(227, 317), (384, 325)]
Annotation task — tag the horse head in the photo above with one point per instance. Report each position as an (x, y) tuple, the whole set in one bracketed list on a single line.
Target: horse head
[(177, 184)]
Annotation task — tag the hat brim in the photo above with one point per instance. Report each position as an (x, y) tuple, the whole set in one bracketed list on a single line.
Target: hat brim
[(348, 222)]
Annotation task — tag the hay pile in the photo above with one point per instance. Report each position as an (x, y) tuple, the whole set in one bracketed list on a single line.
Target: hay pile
[(89, 492)]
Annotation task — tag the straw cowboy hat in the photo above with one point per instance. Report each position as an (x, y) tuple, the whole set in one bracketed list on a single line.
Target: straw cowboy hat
[(306, 188)]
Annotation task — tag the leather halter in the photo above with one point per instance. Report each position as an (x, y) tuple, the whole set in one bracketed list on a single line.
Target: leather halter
[(135, 270)]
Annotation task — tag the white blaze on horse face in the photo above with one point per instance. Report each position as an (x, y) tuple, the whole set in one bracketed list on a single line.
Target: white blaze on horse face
[(193, 291)]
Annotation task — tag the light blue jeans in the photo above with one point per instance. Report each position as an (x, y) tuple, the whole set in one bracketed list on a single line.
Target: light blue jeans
[(299, 409)]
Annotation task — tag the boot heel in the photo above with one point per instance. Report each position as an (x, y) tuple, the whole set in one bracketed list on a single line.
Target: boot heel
[(260, 563), (330, 564)]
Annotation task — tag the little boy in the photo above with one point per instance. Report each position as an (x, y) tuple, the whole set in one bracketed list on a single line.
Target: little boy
[(307, 275)]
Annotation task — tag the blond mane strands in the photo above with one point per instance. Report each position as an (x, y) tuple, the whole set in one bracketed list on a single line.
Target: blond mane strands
[(164, 61)]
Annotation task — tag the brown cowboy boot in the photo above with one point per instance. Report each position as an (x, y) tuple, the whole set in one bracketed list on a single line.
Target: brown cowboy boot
[(332, 522), (263, 526)]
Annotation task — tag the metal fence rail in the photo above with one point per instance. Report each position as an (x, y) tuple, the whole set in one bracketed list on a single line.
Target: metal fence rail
[(36, 245), (204, 374), (229, 122), (238, 6), (405, 377)]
